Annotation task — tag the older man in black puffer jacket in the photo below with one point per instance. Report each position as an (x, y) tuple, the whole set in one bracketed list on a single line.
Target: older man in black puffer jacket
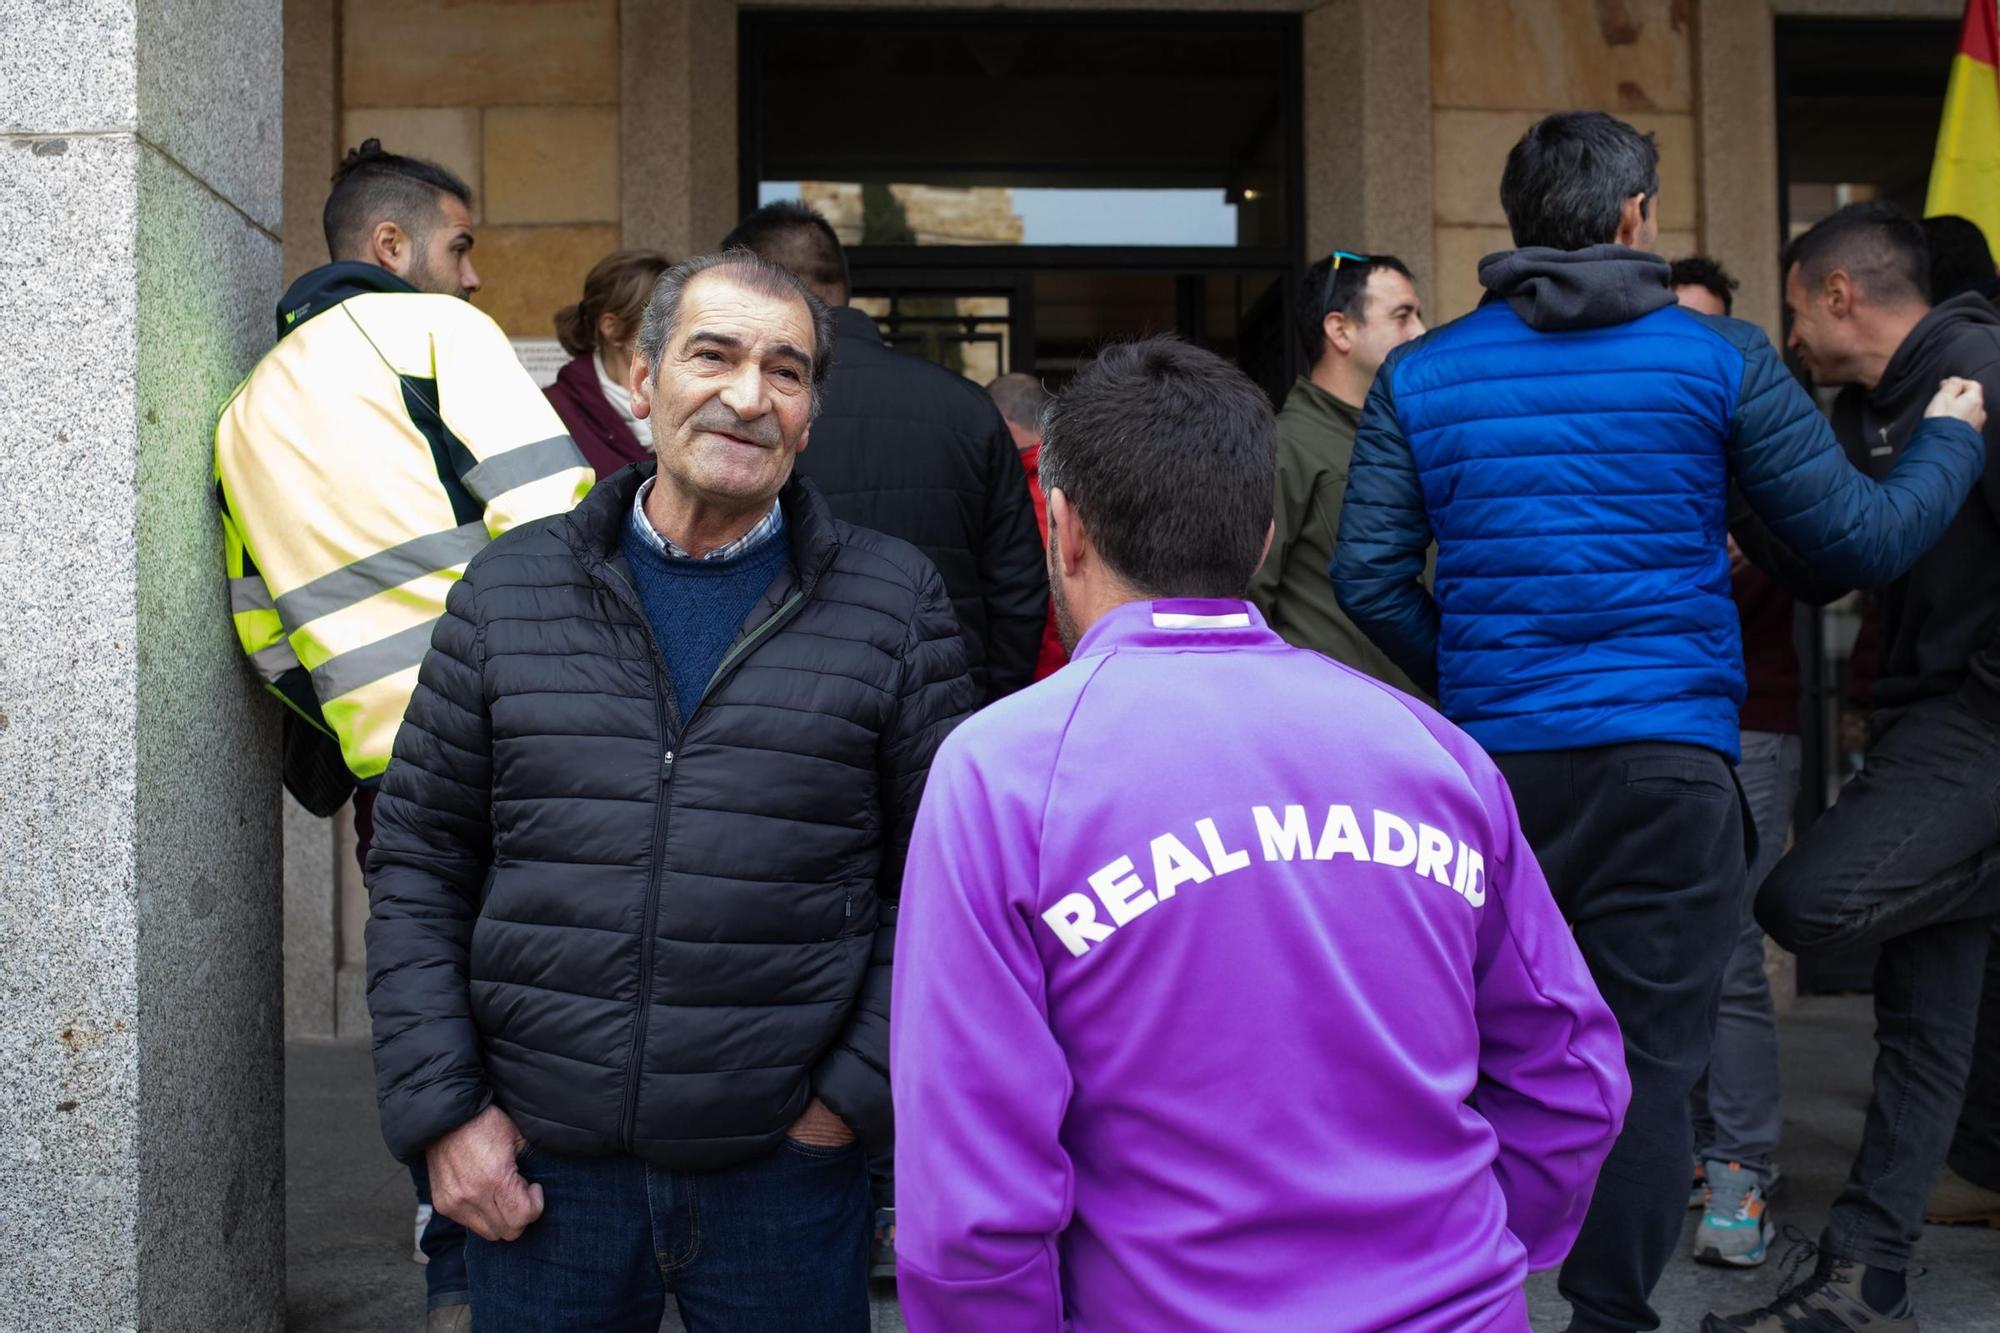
[(637, 859)]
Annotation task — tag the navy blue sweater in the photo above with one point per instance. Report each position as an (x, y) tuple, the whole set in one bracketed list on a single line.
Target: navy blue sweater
[(696, 607)]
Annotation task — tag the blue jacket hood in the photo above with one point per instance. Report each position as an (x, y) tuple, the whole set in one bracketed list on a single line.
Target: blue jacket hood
[(1554, 291)]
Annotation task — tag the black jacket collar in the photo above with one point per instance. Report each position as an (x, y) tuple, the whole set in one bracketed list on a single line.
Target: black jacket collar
[(327, 286)]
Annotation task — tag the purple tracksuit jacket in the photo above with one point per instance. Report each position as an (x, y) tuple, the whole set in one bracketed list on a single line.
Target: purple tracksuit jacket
[(1229, 996)]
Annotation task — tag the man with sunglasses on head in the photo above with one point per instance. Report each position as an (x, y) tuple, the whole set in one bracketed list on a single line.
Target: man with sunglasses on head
[(1570, 447), (1354, 310)]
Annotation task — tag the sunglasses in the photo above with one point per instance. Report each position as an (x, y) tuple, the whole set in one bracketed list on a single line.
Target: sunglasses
[(1339, 257)]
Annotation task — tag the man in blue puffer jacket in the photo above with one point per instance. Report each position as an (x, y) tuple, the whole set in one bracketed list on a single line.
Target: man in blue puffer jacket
[(1570, 446)]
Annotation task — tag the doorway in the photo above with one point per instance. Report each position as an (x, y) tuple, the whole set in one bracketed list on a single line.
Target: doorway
[(1007, 204)]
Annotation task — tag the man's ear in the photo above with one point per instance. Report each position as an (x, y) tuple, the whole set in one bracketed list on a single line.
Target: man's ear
[(639, 380), (1069, 541), (1632, 217), (390, 247), (1339, 333), (1839, 291)]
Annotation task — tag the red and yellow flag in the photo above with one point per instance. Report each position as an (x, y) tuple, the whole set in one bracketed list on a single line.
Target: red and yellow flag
[(1965, 174)]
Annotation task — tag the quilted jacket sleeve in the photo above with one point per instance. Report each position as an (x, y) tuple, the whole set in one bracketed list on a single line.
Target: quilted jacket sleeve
[(1844, 526), (1013, 575), (432, 847), (934, 694), (1378, 559)]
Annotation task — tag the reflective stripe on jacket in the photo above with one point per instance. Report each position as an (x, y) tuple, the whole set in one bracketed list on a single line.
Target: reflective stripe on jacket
[(378, 447)]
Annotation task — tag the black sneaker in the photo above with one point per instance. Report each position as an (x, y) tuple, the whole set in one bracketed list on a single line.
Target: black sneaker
[(1829, 1300)]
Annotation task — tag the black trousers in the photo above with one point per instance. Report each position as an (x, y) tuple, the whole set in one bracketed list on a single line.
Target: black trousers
[(1908, 859), (1975, 1148), (1643, 847)]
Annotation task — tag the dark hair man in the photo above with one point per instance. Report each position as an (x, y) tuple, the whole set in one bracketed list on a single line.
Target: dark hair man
[(910, 449), (1264, 1041), (404, 215), (1906, 857), (1570, 446), (1022, 400), (1353, 311), (389, 435), (1961, 260), (636, 865), (1701, 284)]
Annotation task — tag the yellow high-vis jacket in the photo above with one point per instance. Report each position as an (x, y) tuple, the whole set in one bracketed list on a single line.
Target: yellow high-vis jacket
[(387, 438)]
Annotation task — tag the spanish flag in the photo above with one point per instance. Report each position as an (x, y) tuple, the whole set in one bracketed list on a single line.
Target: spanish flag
[(1965, 174)]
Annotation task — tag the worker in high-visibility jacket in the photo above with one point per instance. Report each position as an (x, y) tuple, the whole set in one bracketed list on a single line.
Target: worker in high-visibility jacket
[(390, 434)]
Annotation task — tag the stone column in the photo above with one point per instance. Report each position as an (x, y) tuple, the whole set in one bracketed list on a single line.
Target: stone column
[(1737, 125), (141, 1064), (677, 123), (1368, 131)]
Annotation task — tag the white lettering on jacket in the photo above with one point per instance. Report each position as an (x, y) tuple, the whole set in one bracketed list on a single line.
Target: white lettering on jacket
[(1119, 893)]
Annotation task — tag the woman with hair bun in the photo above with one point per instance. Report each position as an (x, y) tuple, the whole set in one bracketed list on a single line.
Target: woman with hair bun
[(590, 393)]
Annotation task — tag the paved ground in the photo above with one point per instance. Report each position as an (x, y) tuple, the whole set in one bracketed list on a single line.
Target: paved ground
[(348, 1203)]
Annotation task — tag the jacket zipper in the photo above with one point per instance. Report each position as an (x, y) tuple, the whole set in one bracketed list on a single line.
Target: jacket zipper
[(629, 1127), (649, 930), (748, 643), (650, 921)]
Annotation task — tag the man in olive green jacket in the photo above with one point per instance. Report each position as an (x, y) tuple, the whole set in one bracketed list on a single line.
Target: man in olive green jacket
[(1354, 311)]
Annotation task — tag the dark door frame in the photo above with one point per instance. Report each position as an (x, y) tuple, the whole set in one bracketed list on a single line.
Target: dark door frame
[(1010, 266)]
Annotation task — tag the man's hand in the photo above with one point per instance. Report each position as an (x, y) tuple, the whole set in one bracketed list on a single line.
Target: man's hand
[(1738, 562), (1959, 398), (820, 1127), (474, 1181)]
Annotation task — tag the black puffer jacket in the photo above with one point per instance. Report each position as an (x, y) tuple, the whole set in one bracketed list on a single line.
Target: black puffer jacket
[(640, 933), (910, 449)]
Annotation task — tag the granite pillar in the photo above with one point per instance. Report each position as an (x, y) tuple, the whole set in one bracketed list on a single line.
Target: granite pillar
[(141, 1110)]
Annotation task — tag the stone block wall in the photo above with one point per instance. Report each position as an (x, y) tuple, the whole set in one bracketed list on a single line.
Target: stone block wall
[(1499, 65), (520, 98)]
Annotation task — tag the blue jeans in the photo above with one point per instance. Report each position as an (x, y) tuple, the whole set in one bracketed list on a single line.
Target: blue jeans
[(777, 1245), (443, 1243)]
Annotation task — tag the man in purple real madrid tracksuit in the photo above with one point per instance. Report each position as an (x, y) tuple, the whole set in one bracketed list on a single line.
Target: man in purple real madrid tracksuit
[(1231, 996)]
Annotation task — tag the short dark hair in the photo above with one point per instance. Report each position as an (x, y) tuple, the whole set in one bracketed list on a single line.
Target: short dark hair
[(1961, 260), (796, 237), (1021, 399), (373, 186), (1169, 455), (1701, 271), (1876, 243), (663, 310), (1568, 178), (1349, 296)]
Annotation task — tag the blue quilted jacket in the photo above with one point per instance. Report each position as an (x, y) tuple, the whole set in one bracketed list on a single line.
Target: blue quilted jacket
[(1570, 446)]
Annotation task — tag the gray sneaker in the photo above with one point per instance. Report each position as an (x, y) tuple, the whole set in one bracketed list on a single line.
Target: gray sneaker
[(449, 1319), (1829, 1301), (1736, 1228)]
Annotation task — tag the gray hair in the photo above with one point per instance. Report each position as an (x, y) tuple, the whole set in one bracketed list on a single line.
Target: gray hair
[(663, 311)]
